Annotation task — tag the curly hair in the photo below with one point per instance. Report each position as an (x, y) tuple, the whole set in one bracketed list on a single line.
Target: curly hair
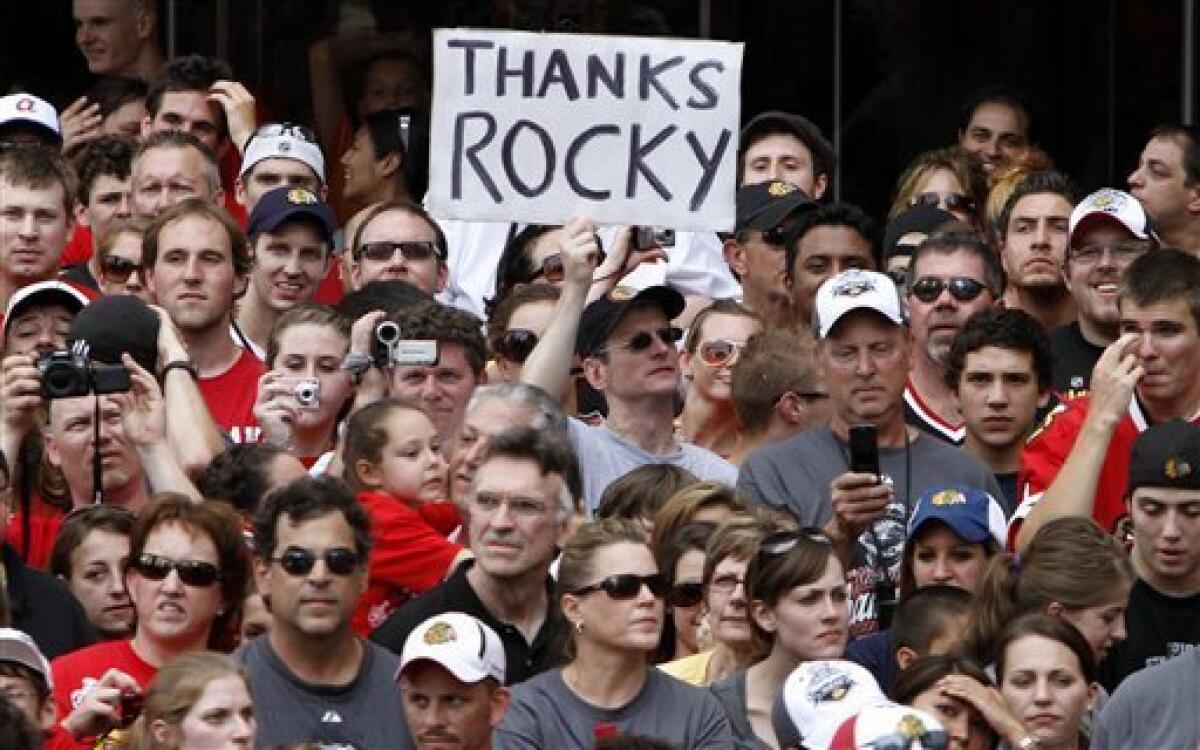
[(187, 73), (239, 475), (107, 156), (1003, 328), (446, 325)]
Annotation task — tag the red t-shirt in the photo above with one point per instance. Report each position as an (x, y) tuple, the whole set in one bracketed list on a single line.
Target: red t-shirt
[(75, 673), (330, 291), (44, 522), (1047, 451), (410, 554), (230, 398), (79, 246)]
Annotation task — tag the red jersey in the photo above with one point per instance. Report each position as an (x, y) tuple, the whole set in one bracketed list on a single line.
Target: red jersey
[(75, 673), (44, 522), (409, 555), (1048, 449), (79, 246), (230, 398)]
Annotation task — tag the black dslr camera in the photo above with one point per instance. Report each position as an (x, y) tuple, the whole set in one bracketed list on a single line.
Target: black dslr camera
[(68, 374), (390, 349)]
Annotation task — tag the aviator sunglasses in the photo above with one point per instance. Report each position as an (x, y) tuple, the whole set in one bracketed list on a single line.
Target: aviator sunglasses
[(962, 288)]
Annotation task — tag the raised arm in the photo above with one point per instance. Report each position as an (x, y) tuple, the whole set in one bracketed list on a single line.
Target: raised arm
[(191, 431)]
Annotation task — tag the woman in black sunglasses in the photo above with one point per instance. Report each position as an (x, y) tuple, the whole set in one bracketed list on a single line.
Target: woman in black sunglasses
[(517, 322), (612, 598), (799, 611), (682, 560), (187, 575), (947, 178)]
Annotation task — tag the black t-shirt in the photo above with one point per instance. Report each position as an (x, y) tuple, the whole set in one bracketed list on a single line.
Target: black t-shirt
[(81, 275), (1074, 358), (522, 659), (1158, 626), (1008, 485)]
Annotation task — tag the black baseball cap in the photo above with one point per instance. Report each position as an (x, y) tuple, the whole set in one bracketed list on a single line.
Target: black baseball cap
[(923, 219), (765, 205), (1166, 455), (602, 316), (115, 324), (287, 203)]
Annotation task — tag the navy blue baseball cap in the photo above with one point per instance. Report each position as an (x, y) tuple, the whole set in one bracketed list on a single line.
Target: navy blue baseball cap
[(287, 203), (970, 512)]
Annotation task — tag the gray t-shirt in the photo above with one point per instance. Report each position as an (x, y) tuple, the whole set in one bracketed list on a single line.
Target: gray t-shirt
[(363, 715), (796, 473), (731, 692), (544, 713), (1154, 708), (604, 457)]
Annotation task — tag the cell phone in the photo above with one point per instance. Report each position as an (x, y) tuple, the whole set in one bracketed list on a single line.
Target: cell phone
[(864, 449)]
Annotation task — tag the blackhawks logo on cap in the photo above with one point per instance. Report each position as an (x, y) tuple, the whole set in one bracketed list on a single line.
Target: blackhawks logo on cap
[(439, 633), (301, 197), (779, 188), (948, 497), (911, 726), (1177, 468)]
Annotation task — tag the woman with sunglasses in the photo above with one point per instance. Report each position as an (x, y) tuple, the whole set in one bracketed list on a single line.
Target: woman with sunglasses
[(947, 178), (187, 574), (612, 598), (682, 559), (517, 322), (727, 556), (119, 254), (799, 611), (716, 337), (303, 394)]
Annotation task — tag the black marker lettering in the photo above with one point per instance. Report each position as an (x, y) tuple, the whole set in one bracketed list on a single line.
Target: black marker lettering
[(471, 154), (470, 45), (558, 71), (637, 154), (703, 87), (708, 166), (648, 76), (576, 146), (510, 168), (524, 73), (613, 80)]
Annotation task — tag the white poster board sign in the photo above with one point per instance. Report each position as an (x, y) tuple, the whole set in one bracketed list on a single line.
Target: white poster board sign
[(537, 128)]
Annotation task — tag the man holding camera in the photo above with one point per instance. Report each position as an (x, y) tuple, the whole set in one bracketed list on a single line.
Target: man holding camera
[(196, 263)]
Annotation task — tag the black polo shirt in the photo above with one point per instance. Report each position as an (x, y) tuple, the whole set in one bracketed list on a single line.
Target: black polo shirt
[(42, 606), (522, 659)]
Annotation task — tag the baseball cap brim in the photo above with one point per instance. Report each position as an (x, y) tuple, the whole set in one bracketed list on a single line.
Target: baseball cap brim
[(315, 213), (1093, 218), (598, 327), (462, 671), (44, 294)]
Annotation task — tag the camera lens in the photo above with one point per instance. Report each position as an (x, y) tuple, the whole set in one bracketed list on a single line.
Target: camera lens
[(387, 332)]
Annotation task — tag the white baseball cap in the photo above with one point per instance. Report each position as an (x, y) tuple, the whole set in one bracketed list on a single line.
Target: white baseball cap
[(1113, 205), (283, 145), (466, 647), (31, 109), (855, 289), (16, 646), (44, 293), (819, 695)]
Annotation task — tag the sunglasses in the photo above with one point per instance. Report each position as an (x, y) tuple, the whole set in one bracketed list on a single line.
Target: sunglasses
[(275, 129), (962, 288), (782, 542), (642, 340), (930, 740), (384, 250), (191, 572), (948, 201), (552, 269), (627, 586), (118, 270), (516, 344), (719, 352), (297, 561), (686, 594)]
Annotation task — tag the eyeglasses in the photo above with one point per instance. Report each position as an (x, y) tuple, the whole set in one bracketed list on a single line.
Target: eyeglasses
[(687, 594), (782, 542), (726, 582), (275, 129), (297, 561), (518, 505), (552, 269), (1122, 253), (192, 572), (118, 270), (642, 340), (962, 288), (719, 352), (946, 201), (627, 586), (933, 739), (517, 344), (385, 250)]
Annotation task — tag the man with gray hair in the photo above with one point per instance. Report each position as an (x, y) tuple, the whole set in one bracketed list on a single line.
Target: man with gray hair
[(169, 167), (518, 516)]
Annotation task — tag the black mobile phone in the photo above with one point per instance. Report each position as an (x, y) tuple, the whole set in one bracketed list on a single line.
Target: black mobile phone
[(864, 449)]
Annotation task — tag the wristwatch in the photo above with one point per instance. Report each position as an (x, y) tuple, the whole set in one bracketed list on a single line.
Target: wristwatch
[(179, 364), (357, 365)]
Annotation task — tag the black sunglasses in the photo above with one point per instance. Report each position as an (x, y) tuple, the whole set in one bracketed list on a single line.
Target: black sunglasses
[(627, 585), (118, 269), (297, 561), (962, 288), (642, 340), (274, 129), (686, 594), (192, 572), (384, 250), (949, 202), (517, 344)]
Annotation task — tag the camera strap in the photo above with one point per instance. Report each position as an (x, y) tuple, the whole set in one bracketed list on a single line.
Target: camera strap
[(97, 471)]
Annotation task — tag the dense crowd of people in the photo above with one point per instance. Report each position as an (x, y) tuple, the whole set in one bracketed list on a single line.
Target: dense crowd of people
[(290, 463)]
